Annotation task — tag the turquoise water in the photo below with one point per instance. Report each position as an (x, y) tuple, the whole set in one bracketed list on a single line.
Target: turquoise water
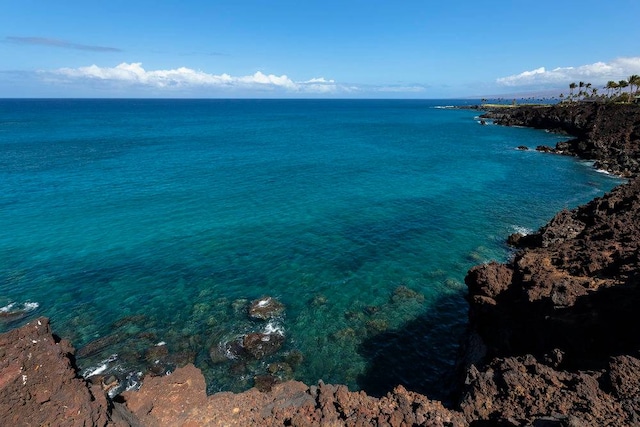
[(135, 222)]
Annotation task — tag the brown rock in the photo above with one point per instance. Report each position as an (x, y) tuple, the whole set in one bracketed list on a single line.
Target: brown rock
[(545, 149), (39, 385), (489, 279), (572, 289), (624, 376), (168, 400), (260, 345), (523, 389), (265, 308), (607, 133)]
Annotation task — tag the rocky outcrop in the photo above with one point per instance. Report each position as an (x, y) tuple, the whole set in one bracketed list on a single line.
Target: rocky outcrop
[(573, 287), (180, 399), (39, 384), (606, 133), (521, 391), (557, 321)]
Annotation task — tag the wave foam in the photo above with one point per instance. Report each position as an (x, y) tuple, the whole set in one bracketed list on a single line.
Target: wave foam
[(15, 307), (522, 230), (102, 367), (273, 328)]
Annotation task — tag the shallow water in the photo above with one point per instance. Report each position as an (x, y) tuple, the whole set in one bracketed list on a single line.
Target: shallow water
[(134, 222)]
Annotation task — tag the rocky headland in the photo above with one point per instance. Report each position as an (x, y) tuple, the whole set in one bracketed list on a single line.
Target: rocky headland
[(605, 133), (552, 333)]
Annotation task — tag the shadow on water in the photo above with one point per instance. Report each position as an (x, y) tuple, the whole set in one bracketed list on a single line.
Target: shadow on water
[(421, 355)]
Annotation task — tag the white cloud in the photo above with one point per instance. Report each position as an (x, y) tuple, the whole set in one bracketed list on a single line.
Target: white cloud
[(135, 75), (319, 80), (597, 73)]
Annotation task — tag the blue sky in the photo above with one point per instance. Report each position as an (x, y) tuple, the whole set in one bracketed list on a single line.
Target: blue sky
[(342, 49)]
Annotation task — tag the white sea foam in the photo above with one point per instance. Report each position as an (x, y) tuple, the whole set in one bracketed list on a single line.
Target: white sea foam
[(133, 381), (522, 230), (273, 328), (228, 352), (15, 307), (30, 306), (7, 308), (102, 367)]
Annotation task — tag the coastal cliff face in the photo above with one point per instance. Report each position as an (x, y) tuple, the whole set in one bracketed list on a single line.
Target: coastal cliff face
[(558, 319), (553, 332), (609, 134)]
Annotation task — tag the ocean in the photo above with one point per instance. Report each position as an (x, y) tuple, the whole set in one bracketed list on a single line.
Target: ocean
[(144, 229)]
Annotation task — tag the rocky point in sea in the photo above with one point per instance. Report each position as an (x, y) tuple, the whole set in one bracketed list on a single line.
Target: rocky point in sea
[(551, 338)]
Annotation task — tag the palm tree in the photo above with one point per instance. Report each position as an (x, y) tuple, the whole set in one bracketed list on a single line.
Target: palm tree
[(622, 84), (611, 86), (572, 86), (634, 80)]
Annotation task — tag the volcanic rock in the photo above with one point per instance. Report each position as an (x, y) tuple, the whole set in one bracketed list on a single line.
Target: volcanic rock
[(605, 133), (39, 385), (522, 391), (265, 308), (290, 403), (260, 345)]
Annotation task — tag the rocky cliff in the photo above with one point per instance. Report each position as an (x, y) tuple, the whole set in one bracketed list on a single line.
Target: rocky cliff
[(558, 320), (552, 341), (606, 133)]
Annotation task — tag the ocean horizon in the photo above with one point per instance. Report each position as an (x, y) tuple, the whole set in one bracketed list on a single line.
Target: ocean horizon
[(145, 229)]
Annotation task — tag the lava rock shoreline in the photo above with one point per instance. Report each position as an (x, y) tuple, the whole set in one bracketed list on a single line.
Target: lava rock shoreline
[(552, 339), (608, 134)]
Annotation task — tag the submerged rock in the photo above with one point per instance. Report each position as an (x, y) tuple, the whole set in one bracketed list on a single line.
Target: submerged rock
[(318, 300), (260, 345), (227, 350), (157, 352), (96, 346), (403, 293), (294, 358), (265, 383), (281, 369), (265, 308)]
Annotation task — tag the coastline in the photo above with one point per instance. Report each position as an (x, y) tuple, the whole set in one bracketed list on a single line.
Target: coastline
[(533, 369)]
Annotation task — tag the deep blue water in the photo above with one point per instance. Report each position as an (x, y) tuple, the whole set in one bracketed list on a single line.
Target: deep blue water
[(134, 222)]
